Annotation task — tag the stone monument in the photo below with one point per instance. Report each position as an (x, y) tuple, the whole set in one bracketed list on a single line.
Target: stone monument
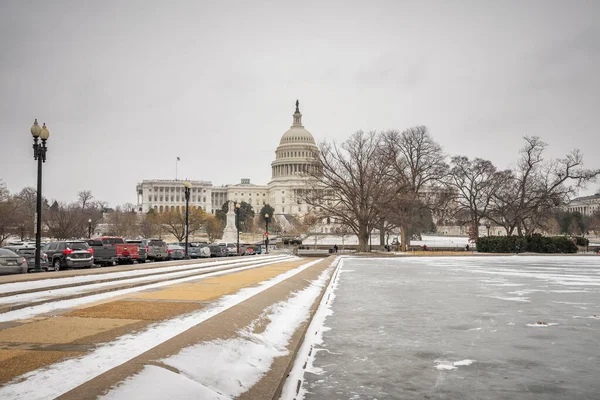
[(230, 231)]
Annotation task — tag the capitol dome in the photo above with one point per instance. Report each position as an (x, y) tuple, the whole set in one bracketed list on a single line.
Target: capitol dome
[(297, 133), (296, 151)]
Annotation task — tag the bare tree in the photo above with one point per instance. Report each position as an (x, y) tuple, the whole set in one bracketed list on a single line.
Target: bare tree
[(476, 183), (85, 198), (63, 221), (25, 214), (351, 183), (123, 222), (8, 207), (418, 170), (174, 222), (594, 224), (149, 224), (537, 187), (214, 228)]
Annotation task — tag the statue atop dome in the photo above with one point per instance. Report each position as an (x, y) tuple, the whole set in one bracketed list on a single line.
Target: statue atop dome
[(297, 115)]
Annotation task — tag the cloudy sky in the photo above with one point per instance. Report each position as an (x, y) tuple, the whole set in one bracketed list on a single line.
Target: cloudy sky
[(125, 87)]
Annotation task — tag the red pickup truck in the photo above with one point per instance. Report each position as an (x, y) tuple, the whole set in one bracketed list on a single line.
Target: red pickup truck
[(109, 250)]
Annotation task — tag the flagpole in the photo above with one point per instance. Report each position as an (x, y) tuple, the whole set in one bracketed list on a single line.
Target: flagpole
[(176, 164)]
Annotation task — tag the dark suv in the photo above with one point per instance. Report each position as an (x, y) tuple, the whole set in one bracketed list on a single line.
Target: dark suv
[(67, 254)]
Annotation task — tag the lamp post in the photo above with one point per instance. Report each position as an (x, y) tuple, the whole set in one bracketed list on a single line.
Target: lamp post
[(39, 154), (487, 225), (89, 228), (267, 233), (186, 190), (237, 225)]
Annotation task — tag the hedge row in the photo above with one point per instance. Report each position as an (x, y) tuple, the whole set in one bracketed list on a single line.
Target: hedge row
[(530, 244)]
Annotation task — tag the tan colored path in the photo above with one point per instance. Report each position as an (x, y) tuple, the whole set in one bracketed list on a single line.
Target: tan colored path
[(28, 345), (225, 325)]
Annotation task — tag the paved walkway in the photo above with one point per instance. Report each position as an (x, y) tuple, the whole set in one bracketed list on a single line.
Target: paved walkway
[(27, 345)]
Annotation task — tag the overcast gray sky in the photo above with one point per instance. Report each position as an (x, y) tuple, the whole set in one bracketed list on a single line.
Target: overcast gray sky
[(127, 86)]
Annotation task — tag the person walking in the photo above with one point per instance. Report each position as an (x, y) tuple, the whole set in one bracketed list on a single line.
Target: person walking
[(335, 248)]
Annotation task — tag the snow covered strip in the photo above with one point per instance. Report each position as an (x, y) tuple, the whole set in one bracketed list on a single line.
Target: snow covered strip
[(49, 294), (238, 363), (59, 378), (25, 313), (293, 388), (54, 280)]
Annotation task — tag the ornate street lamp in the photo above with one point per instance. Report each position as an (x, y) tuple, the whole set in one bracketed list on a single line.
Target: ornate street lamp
[(39, 154), (487, 225), (267, 233), (237, 225), (89, 228), (186, 189)]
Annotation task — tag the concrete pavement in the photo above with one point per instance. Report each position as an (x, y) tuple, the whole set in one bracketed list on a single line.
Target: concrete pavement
[(30, 344)]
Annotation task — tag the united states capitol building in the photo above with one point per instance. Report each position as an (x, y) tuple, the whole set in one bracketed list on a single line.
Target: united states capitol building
[(295, 153)]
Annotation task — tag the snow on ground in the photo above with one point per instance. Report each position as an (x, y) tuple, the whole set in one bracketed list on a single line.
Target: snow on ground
[(160, 383), (69, 291), (236, 364), (57, 379), (29, 312), (307, 351), (55, 280)]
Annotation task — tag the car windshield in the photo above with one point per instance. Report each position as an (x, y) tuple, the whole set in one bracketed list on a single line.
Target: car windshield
[(77, 245), (7, 253), (26, 251)]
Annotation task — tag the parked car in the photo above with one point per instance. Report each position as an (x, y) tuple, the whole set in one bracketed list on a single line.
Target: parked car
[(257, 249), (65, 254), (113, 249), (196, 250), (204, 250), (12, 263), (231, 248), (29, 254), (157, 250), (247, 251), (218, 251), (142, 245), (175, 251)]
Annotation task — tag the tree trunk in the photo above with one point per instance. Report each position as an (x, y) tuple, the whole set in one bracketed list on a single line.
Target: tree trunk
[(382, 234), (404, 245), (363, 240)]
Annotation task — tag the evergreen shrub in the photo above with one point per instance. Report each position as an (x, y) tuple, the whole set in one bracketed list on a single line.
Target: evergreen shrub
[(529, 244)]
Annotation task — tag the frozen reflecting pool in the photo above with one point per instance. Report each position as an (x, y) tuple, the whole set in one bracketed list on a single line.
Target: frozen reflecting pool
[(513, 327)]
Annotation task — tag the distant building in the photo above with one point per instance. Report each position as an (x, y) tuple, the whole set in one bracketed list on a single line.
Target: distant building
[(296, 151), (587, 205)]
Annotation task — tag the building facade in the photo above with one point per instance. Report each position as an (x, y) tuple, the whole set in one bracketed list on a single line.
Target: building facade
[(293, 157), (587, 205)]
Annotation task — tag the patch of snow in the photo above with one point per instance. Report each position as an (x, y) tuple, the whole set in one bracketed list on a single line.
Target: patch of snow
[(307, 352), (29, 312), (463, 362), (68, 291), (444, 365), (448, 365), (520, 299), (171, 385), (57, 281), (50, 382), (240, 363)]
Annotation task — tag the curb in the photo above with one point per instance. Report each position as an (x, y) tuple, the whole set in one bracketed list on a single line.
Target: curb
[(294, 352)]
